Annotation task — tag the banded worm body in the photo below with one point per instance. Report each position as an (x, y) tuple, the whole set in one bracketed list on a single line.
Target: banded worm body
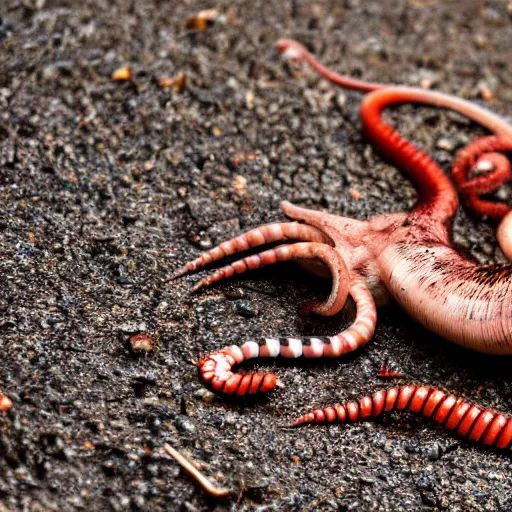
[(406, 256), (473, 422)]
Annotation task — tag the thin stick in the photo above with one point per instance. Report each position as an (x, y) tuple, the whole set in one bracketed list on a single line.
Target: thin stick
[(209, 487)]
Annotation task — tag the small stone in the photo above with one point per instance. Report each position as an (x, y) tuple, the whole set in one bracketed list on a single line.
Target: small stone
[(184, 425), (446, 144), (109, 467), (205, 244), (206, 395), (434, 452), (484, 166), (53, 71), (245, 308), (485, 91), (128, 327)]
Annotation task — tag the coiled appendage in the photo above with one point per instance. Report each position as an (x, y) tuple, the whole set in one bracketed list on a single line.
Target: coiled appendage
[(473, 422), (216, 369), (434, 188), (484, 156)]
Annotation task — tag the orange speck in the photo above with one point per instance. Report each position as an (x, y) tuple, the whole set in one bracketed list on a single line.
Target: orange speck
[(177, 82), (426, 83), (485, 92), (122, 74), (202, 20), (5, 403), (89, 446), (385, 373), (354, 194), (240, 184)]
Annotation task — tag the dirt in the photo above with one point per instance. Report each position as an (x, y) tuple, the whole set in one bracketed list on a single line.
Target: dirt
[(108, 186)]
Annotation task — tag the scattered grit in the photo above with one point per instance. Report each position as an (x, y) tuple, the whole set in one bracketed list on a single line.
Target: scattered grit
[(108, 185)]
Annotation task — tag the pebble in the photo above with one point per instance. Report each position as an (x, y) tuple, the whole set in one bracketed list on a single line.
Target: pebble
[(183, 424), (245, 308), (434, 452)]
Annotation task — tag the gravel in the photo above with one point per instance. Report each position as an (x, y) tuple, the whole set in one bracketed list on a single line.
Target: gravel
[(108, 186)]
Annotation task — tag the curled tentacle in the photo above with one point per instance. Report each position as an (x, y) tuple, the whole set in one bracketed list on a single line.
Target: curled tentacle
[(470, 421), (497, 171), (300, 250), (216, 369), (437, 194), (482, 154), (254, 238)]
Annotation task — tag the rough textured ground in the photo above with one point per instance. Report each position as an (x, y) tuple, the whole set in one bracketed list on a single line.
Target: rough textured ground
[(107, 187)]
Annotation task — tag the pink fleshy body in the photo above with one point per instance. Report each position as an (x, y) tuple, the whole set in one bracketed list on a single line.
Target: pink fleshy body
[(407, 256)]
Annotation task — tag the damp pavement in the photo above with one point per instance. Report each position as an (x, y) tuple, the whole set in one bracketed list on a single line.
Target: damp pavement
[(108, 186)]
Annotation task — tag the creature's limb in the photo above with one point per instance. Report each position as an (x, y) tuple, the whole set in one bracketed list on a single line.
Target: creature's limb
[(322, 220), (298, 251), (254, 238), (437, 195), (481, 155), (504, 235), (216, 369), (471, 421)]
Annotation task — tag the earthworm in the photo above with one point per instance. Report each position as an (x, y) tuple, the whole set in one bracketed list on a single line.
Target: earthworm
[(473, 422)]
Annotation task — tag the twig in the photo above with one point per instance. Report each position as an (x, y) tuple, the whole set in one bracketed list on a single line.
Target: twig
[(209, 487)]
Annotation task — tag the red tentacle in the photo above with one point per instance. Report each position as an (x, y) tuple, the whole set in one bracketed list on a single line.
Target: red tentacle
[(474, 422), (254, 238), (483, 150)]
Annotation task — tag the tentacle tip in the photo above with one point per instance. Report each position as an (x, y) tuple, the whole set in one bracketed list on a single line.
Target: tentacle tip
[(179, 273), (285, 207), (287, 426), (196, 287), (290, 49)]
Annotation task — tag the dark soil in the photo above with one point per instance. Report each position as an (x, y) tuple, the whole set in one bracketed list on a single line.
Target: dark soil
[(107, 187)]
